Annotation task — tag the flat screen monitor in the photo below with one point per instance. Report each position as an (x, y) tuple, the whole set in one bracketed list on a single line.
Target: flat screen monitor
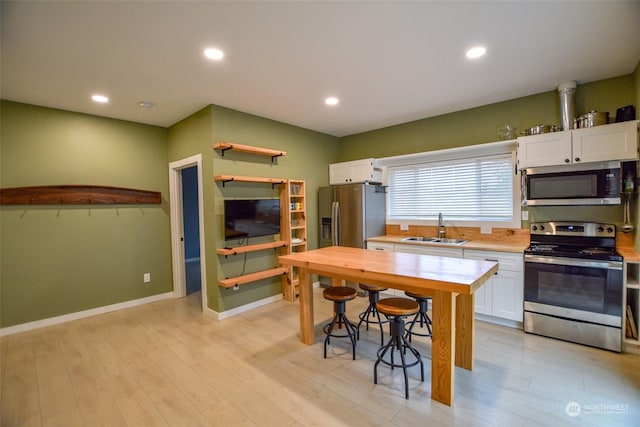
[(251, 218)]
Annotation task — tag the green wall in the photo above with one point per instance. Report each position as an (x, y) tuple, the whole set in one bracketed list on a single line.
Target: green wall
[(478, 126), (57, 260), (61, 259), (308, 156)]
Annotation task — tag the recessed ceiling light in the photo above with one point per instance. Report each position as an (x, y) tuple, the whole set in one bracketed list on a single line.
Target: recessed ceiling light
[(476, 52), (332, 100), (145, 104), (213, 53), (100, 98)]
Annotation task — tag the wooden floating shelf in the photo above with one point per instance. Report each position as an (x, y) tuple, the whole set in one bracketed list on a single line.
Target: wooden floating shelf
[(76, 195), (251, 248), (225, 146), (252, 277), (237, 178)]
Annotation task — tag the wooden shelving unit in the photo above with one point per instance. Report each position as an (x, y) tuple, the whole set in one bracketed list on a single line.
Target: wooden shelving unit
[(226, 146), (295, 222), (631, 303), (252, 277)]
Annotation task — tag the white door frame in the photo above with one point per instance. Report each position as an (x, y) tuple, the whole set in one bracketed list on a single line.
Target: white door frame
[(177, 226)]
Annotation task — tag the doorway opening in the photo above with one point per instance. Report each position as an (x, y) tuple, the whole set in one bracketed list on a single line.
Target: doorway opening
[(191, 229), (187, 228)]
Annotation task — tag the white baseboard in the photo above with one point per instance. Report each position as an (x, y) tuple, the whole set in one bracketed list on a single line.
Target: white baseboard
[(247, 307), (243, 308), (81, 314), (498, 321)]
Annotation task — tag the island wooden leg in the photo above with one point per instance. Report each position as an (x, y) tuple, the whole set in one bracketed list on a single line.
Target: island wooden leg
[(465, 331), (443, 347), (307, 329), (338, 282)]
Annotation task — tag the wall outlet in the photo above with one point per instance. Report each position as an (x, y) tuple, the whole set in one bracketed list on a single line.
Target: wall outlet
[(236, 287), (525, 215), (485, 230), (404, 227), (146, 277)]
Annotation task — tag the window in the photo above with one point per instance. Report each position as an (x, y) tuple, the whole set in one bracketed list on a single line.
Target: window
[(469, 191)]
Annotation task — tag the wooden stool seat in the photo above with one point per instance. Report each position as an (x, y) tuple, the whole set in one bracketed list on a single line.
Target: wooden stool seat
[(340, 295), (397, 306), (371, 288), (398, 309)]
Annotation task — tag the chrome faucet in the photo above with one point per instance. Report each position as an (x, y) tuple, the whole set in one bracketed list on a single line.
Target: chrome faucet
[(442, 230)]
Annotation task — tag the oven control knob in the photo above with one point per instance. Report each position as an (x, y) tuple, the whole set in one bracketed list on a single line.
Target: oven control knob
[(609, 230), (541, 227), (534, 227), (600, 229)]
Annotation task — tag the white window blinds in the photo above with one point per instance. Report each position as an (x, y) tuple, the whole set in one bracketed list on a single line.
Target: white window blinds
[(476, 189)]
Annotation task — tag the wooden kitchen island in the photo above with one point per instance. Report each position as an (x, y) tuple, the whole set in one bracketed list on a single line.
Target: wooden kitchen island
[(450, 281)]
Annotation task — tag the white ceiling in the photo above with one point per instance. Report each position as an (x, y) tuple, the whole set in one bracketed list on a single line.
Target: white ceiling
[(389, 62)]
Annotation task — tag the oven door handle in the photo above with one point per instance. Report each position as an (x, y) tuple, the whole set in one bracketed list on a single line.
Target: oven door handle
[(611, 265)]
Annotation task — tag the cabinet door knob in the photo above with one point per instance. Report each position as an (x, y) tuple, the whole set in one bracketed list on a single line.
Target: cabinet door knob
[(567, 160), (577, 159)]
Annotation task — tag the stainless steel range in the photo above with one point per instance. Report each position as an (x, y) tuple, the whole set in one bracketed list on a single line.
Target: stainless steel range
[(573, 283)]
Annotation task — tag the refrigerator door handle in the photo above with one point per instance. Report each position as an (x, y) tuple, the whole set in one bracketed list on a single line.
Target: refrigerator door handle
[(335, 226)]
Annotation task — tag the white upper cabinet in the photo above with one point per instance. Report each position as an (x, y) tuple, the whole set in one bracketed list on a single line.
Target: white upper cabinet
[(544, 150), (618, 141), (357, 171)]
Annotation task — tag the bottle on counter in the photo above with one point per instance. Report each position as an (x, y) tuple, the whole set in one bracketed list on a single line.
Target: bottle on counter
[(629, 186)]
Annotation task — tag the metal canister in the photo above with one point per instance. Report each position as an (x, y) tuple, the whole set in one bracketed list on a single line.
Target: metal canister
[(591, 119), (567, 92)]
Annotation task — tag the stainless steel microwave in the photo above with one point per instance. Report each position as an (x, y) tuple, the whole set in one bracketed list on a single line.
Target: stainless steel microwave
[(583, 184)]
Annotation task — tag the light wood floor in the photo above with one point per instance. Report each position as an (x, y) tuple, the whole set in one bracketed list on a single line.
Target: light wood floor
[(168, 364)]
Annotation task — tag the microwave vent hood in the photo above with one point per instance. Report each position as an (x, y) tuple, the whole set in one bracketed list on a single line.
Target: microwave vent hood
[(573, 168), (573, 185)]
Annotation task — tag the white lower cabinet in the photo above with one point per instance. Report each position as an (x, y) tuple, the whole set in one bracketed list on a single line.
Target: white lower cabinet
[(500, 299), (380, 246), (502, 295), (383, 246), (427, 250), (430, 250)]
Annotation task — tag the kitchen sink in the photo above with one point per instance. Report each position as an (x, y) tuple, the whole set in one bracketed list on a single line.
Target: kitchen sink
[(443, 241)]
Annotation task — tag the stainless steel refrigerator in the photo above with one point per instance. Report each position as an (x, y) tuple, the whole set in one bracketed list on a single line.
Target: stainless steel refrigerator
[(349, 214)]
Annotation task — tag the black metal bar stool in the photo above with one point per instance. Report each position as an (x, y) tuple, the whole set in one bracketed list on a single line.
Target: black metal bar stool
[(340, 295), (422, 317), (397, 309), (371, 315)]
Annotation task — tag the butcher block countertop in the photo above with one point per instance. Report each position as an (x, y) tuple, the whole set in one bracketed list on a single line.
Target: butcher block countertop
[(624, 246), (485, 245), (501, 239)]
